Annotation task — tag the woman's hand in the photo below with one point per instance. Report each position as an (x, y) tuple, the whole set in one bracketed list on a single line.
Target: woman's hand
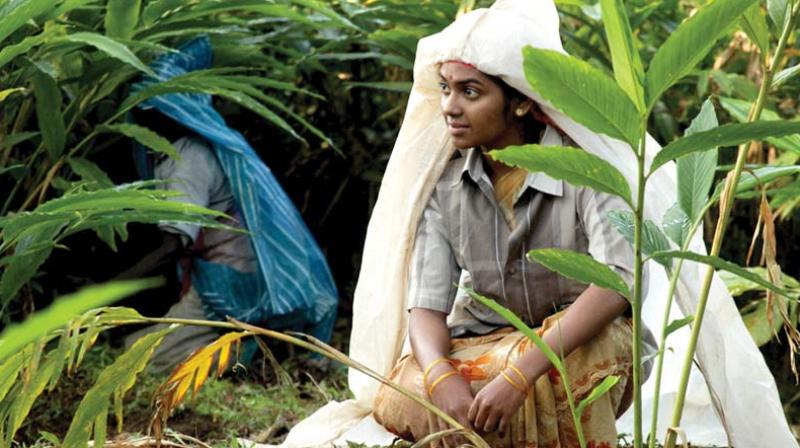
[(454, 396), (494, 405)]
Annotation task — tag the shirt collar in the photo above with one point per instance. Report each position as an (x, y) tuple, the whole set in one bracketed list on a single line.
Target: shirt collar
[(473, 167)]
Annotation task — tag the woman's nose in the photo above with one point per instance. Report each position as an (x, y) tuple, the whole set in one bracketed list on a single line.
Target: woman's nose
[(450, 105)]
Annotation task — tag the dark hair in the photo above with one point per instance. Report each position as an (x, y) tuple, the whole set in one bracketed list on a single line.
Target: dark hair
[(532, 127)]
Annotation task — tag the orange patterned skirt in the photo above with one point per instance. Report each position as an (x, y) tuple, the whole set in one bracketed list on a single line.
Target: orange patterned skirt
[(544, 419)]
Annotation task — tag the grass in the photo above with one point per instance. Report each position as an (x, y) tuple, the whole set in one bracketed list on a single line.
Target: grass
[(256, 403)]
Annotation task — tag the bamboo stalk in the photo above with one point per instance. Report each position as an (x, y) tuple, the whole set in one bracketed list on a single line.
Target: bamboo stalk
[(726, 204)]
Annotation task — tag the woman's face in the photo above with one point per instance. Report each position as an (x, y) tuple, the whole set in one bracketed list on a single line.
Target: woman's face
[(474, 108)]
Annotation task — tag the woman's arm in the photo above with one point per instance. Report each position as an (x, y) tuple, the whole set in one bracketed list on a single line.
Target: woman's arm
[(594, 309), (430, 340)]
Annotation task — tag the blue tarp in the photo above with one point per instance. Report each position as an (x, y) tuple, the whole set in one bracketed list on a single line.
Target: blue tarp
[(293, 287)]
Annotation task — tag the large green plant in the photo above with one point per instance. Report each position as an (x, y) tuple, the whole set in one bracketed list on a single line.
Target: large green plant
[(621, 108)]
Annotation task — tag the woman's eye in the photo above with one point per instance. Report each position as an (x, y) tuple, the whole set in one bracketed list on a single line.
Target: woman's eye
[(470, 92), (443, 87)]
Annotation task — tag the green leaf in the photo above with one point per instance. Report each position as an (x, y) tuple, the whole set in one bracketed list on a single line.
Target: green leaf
[(784, 75), (9, 369), (213, 86), (724, 265), (580, 267), (90, 172), (739, 109), (653, 240), (582, 92), (695, 171), (689, 44), (759, 176), (8, 92), (573, 165), (677, 324), (755, 25), (145, 137), (110, 47), (16, 336), (48, 113), (15, 13), (400, 86), (598, 391), (676, 224), (122, 17), (517, 323), (758, 324), (725, 135), (627, 64), (738, 286), (94, 405), (779, 13)]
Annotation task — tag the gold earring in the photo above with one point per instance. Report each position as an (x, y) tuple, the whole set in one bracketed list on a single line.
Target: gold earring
[(520, 111)]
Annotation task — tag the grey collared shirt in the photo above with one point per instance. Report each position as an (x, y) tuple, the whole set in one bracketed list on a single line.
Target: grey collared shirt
[(463, 238)]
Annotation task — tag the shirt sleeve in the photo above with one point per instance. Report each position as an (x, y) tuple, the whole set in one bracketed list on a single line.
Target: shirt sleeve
[(434, 270), (606, 244), (195, 175)]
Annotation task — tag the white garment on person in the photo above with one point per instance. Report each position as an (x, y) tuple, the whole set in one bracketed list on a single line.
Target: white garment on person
[(198, 176), (492, 41)]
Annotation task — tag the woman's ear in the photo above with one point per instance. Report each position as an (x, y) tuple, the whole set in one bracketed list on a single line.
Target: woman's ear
[(523, 108)]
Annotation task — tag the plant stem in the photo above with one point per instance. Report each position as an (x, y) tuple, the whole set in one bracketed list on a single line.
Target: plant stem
[(636, 303), (726, 204), (674, 276)]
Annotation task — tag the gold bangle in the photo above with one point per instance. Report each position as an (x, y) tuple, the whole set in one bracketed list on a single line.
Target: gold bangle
[(430, 367), (513, 383), (519, 374), (441, 378)]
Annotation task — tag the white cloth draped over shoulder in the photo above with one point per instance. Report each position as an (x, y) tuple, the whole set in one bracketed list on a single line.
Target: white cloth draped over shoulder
[(744, 393)]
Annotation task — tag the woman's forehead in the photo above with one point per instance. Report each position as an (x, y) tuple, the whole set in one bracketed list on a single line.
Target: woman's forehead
[(456, 71)]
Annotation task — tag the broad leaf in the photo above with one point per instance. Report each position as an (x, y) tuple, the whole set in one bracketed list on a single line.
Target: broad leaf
[(719, 263), (725, 135), (122, 17), (48, 113), (785, 75), (111, 47), (689, 44), (755, 25), (583, 92), (65, 309), (677, 324), (627, 64), (739, 109), (779, 13), (573, 165), (598, 391), (93, 408), (696, 170), (676, 224), (759, 176), (653, 240), (580, 267), (145, 137), (15, 13)]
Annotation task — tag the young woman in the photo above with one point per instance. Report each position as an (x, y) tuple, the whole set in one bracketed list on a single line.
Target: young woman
[(482, 218), (436, 214)]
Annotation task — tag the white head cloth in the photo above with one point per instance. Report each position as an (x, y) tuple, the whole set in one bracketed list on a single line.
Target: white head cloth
[(492, 40)]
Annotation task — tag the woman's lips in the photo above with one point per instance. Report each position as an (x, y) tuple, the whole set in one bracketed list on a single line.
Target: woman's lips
[(457, 128)]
